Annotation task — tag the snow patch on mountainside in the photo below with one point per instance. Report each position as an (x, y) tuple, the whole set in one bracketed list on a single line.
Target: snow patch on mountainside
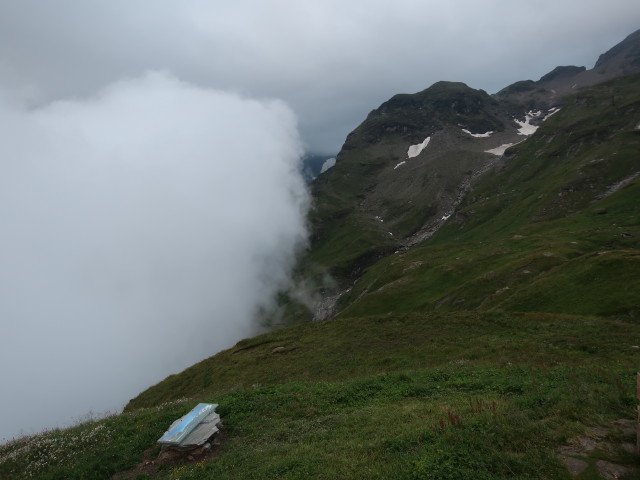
[(478, 135), (500, 150), (414, 150), (328, 163), (552, 111), (400, 164), (525, 127)]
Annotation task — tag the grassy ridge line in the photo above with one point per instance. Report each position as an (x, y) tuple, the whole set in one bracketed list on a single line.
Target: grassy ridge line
[(463, 395), (353, 347)]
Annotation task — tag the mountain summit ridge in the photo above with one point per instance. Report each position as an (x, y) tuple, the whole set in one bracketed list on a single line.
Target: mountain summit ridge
[(620, 60)]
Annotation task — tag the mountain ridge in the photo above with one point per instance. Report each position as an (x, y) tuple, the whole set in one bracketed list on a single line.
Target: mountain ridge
[(620, 60), (459, 115)]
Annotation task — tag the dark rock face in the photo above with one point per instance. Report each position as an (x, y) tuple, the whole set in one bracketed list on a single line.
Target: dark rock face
[(552, 88), (415, 116), (625, 56), (518, 87), (562, 72)]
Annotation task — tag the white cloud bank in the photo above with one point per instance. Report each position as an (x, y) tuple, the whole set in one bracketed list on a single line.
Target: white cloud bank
[(141, 230)]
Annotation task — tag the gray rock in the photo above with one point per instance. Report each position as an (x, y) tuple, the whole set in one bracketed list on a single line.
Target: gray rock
[(574, 465), (611, 470)]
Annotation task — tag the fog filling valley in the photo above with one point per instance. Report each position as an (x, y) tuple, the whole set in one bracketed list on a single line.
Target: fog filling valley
[(142, 228)]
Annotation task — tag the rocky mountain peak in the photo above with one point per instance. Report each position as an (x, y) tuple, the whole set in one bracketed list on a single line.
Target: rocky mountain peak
[(562, 72), (417, 115), (624, 58)]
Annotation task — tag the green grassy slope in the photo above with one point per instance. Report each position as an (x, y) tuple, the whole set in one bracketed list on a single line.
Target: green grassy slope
[(571, 186), (347, 348), (557, 229), (461, 395)]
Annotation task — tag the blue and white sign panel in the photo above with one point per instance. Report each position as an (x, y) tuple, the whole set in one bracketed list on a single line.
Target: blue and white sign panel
[(183, 426)]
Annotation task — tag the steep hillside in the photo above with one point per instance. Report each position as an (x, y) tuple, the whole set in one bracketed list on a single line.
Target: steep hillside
[(400, 179), (555, 228), (405, 170), (402, 169)]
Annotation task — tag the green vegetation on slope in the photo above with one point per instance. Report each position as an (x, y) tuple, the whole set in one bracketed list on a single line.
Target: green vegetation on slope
[(582, 265), (416, 396), (557, 229), (571, 161)]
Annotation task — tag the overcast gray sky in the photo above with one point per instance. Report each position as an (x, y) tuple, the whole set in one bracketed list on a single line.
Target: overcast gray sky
[(332, 61), (149, 198)]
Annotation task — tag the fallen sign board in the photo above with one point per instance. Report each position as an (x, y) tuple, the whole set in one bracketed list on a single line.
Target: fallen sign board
[(193, 429)]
